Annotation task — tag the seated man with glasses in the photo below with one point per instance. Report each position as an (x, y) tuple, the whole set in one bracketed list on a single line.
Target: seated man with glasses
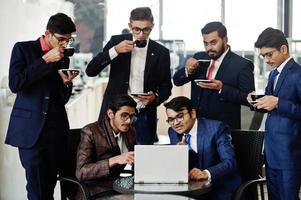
[(211, 154), (137, 65), (106, 146)]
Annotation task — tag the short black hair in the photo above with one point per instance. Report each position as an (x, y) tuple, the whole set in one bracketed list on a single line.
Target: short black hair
[(215, 26), (179, 103), (141, 14), (117, 101), (272, 38), (60, 23)]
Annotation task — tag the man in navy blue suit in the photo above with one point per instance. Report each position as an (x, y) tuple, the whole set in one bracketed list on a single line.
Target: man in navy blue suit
[(137, 65), (38, 124), (211, 154), (231, 78), (282, 100)]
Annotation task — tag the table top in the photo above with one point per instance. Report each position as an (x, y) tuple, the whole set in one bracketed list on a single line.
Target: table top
[(193, 188), (145, 197)]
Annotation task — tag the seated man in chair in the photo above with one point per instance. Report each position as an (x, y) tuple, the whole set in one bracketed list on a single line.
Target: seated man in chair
[(106, 146), (211, 154)]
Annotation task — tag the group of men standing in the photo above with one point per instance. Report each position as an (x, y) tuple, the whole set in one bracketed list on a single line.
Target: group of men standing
[(139, 81)]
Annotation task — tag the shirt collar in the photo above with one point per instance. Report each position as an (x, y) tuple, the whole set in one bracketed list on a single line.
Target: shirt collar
[(43, 43), (193, 131), (116, 135), (221, 58), (280, 68)]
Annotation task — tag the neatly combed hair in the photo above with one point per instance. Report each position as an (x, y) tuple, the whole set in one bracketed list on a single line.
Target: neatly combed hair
[(60, 23), (272, 38), (179, 103), (215, 26), (121, 100), (141, 14)]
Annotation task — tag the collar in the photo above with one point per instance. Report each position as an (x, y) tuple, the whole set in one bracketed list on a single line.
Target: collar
[(116, 135), (193, 130), (44, 45), (221, 58), (146, 46), (280, 68)]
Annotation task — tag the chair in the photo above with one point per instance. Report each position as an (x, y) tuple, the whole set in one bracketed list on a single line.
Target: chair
[(256, 121), (69, 183), (248, 152)]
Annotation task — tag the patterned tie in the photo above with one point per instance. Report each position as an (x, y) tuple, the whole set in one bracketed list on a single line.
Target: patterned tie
[(187, 140), (274, 73), (211, 69)]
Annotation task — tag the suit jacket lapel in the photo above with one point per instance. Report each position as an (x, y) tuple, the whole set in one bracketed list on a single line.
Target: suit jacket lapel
[(223, 66), (149, 60), (283, 75), (200, 141)]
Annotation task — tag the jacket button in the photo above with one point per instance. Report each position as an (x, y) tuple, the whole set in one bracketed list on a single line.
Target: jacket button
[(46, 97), (44, 113)]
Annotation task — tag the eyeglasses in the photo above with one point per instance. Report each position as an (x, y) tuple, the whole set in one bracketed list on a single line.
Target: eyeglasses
[(137, 30), (268, 55), (125, 116), (63, 40), (179, 118)]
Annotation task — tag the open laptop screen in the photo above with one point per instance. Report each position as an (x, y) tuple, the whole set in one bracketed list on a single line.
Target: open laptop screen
[(161, 164)]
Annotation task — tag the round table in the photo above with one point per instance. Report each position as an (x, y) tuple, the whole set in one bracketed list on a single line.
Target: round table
[(190, 189)]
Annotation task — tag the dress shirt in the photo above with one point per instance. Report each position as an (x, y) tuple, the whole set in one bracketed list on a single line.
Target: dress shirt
[(217, 64), (136, 79), (121, 142)]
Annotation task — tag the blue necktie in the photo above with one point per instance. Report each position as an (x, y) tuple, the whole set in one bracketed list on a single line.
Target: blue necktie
[(274, 73), (187, 140)]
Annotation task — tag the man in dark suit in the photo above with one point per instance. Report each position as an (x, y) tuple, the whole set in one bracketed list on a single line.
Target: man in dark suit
[(106, 146), (282, 100), (137, 65), (231, 78), (211, 154), (38, 124)]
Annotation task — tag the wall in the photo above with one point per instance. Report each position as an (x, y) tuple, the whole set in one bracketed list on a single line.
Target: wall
[(19, 20)]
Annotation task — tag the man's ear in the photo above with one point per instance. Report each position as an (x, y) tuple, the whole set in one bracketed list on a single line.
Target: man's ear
[(193, 113), (284, 49), (110, 114)]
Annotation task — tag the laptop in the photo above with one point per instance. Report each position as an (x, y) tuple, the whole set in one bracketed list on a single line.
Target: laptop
[(161, 164)]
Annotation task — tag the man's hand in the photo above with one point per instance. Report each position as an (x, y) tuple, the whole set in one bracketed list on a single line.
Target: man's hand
[(124, 46), (191, 65), (147, 99), (182, 142), (213, 85), (267, 102), (125, 158), (197, 175), (67, 79), (54, 55)]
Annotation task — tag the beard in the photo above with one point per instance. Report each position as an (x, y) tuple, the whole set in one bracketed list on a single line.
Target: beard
[(216, 54)]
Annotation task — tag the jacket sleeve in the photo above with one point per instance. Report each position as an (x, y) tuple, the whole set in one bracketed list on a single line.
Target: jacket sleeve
[(23, 74), (86, 168), (100, 61), (227, 164), (245, 86)]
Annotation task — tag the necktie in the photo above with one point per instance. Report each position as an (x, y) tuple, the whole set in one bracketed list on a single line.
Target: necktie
[(274, 73), (211, 69), (187, 140)]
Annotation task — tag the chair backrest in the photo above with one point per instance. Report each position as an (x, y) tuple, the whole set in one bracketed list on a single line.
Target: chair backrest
[(73, 141), (248, 152)]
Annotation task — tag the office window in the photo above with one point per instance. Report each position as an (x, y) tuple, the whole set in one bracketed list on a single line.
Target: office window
[(296, 35), (245, 20), (184, 21)]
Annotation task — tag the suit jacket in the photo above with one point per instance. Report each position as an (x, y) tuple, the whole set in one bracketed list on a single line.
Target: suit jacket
[(237, 76), (38, 85), (157, 76), (96, 146), (215, 153), (283, 125)]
